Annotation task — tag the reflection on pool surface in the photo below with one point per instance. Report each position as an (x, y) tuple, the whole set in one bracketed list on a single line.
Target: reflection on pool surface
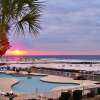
[(34, 84)]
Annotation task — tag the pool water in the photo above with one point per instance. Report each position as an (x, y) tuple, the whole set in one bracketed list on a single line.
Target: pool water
[(34, 84)]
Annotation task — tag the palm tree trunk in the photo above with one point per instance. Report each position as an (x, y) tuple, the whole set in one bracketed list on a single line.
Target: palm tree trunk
[(4, 43)]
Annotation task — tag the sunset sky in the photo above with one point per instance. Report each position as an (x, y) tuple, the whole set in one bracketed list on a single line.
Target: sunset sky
[(68, 27)]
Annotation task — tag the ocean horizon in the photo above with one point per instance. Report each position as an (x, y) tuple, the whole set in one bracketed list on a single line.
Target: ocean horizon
[(59, 57)]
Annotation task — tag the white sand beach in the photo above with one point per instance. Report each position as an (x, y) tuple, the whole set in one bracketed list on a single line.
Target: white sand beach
[(84, 67)]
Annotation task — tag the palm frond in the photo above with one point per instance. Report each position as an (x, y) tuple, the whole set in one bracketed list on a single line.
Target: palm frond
[(30, 21), (29, 18)]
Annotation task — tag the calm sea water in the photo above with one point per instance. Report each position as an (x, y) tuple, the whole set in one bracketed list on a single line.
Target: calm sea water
[(62, 57)]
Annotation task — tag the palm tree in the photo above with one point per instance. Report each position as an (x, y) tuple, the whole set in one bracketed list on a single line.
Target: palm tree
[(11, 96), (29, 70), (17, 70), (18, 16)]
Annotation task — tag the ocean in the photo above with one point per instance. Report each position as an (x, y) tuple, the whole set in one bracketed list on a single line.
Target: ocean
[(60, 57)]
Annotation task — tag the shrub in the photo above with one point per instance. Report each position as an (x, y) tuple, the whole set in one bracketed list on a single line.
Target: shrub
[(91, 94), (65, 96), (50, 99), (77, 95), (98, 91)]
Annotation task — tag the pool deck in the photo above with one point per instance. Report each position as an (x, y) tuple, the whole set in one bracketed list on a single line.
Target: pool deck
[(6, 83), (61, 79)]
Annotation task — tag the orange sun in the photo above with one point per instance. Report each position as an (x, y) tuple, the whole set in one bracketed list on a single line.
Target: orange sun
[(16, 52)]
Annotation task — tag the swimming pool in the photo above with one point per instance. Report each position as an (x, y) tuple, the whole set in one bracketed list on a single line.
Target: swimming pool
[(33, 84)]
